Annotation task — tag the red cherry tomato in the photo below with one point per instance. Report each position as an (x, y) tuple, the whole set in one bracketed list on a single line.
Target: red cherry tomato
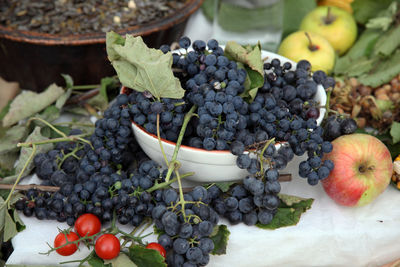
[(107, 246), (87, 224), (158, 247), (61, 240)]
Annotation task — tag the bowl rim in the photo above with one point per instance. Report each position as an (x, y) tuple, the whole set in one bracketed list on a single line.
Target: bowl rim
[(34, 37)]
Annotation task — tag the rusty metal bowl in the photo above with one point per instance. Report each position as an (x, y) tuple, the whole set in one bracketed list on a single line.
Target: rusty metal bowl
[(36, 60)]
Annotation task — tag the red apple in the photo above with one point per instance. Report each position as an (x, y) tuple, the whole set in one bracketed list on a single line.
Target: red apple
[(363, 168)]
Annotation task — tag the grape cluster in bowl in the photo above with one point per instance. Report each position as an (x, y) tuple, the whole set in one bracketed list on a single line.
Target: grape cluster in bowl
[(287, 108)]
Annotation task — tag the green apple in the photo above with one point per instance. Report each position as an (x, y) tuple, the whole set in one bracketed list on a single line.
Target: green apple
[(312, 47), (336, 25)]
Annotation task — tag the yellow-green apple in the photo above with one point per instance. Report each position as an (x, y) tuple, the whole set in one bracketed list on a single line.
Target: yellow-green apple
[(362, 171), (335, 24), (312, 47)]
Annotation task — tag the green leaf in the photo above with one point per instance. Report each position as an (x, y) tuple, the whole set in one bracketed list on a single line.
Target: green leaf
[(7, 162), (363, 10), (220, 237), (383, 71), (20, 109), (5, 110), (293, 13), (256, 81), (224, 186), (252, 58), (69, 82), (388, 42), (144, 257), (49, 114), (95, 261), (361, 49), (25, 154), (77, 110), (121, 261), (11, 138), (18, 222), (104, 84), (289, 212), (143, 68), (395, 132), (384, 19), (98, 102), (63, 99), (10, 228)]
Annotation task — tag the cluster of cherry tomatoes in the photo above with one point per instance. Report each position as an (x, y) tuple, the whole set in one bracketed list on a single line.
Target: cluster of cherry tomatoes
[(107, 246)]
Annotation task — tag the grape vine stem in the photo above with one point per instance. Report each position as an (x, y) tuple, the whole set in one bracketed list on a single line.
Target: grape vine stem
[(171, 166), (159, 140), (7, 201)]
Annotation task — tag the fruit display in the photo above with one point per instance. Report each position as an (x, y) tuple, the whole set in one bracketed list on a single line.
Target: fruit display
[(209, 105), (129, 208), (363, 168)]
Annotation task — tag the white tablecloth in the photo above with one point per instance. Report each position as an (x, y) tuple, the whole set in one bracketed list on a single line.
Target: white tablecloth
[(327, 234)]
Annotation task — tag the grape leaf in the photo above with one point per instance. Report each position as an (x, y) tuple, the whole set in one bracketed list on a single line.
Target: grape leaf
[(121, 261), (256, 81), (220, 237), (252, 58), (289, 212), (28, 103), (384, 19), (142, 68), (106, 82), (11, 138), (7, 162), (144, 257), (25, 154), (395, 132), (383, 71), (388, 42), (363, 10), (362, 48), (63, 98), (49, 114), (69, 82), (95, 261), (224, 186), (5, 110)]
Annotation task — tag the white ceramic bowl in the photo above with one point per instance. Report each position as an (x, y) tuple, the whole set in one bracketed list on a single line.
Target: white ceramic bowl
[(208, 166)]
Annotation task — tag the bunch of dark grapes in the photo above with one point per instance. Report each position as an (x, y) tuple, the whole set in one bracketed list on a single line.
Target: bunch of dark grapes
[(186, 225), (254, 201)]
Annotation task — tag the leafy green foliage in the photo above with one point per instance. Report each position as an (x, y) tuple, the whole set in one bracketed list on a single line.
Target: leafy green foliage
[(95, 261), (224, 186), (11, 138), (10, 223), (20, 110), (25, 154), (143, 68), (395, 132), (5, 110), (289, 212), (220, 237), (144, 257), (386, 45), (382, 72), (367, 9)]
